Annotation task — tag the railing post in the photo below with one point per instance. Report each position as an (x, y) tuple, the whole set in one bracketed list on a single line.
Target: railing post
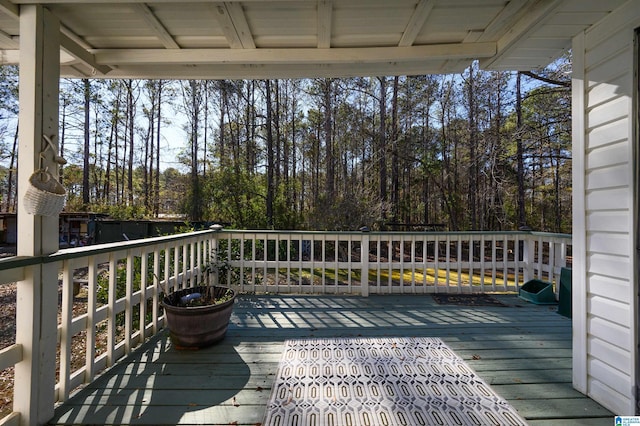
[(528, 257), (364, 260), (214, 255), (37, 293)]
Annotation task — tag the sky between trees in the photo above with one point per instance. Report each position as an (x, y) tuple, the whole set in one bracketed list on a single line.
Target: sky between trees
[(473, 151)]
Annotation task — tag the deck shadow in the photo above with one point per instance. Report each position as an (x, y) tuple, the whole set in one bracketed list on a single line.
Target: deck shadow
[(158, 384)]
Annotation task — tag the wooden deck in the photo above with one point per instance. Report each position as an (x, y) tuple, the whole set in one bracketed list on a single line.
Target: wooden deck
[(523, 351)]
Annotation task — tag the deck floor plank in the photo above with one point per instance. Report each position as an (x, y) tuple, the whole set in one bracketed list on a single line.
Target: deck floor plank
[(522, 350)]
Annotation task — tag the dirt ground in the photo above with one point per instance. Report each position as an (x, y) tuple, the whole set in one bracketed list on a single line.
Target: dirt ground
[(7, 338)]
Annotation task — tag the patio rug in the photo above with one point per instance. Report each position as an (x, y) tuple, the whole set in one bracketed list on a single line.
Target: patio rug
[(467, 300), (380, 381)]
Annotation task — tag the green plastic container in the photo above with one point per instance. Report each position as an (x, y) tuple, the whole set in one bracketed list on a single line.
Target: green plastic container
[(538, 292), (564, 293)]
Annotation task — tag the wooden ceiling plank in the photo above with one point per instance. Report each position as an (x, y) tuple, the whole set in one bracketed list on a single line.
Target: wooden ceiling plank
[(10, 9), (234, 9), (530, 21), (325, 15), (499, 24), (9, 41), (75, 37), (229, 30), (416, 22), (77, 51), (160, 31), (294, 56)]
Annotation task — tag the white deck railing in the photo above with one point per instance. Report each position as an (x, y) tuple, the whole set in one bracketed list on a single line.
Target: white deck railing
[(118, 306)]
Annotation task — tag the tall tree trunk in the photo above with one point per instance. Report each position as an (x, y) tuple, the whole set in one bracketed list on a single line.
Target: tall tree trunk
[(85, 170), (196, 202), (520, 153), (278, 136), (395, 172), (10, 205), (473, 141), (329, 151), (270, 158), (156, 192), (131, 115), (382, 143)]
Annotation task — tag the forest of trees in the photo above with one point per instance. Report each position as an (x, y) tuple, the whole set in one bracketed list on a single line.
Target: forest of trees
[(474, 151)]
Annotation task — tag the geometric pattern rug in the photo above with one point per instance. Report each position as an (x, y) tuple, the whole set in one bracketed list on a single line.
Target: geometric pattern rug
[(381, 381)]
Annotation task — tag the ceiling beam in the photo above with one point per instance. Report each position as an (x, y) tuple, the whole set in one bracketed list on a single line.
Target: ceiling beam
[(18, 2), (248, 71), (234, 25), (471, 37), (240, 23), (78, 52), (8, 40), (416, 22), (10, 8), (152, 20), (296, 56), (325, 15), (530, 21), (229, 30), (499, 24)]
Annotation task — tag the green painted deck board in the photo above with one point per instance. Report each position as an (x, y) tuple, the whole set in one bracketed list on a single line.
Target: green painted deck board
[(523, 351)]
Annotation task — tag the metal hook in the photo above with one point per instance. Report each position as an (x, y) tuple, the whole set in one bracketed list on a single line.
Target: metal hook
[(58, 159)]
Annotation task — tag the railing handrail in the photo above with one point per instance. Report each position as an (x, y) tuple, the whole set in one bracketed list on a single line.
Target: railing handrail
[(292, 261)]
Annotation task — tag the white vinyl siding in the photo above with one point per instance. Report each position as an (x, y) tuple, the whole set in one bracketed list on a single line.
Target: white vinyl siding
[(605, 322)]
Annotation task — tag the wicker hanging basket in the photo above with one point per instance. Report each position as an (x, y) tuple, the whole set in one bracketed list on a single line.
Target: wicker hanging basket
[(45, 196)]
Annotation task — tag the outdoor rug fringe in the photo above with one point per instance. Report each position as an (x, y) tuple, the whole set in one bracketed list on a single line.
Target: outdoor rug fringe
[(381, 381)]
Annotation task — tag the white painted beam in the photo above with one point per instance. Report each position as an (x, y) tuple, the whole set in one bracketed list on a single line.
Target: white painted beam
[(234, 9), (416, 22), (234, 25), (295, 56), (88, 59), (224, 19), (252, 71), (499, 24), (8, 40), (325, 15), (160, 31), (535, 16), (9, 8)]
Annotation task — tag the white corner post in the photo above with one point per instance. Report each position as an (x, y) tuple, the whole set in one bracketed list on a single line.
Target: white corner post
[(37, 298), (579, 293)]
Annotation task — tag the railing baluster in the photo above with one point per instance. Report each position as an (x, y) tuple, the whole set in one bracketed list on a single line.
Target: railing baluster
[(92, 286), (505, 264), (65, 329), (470, 268), (111, 314), (128, 308), (436, 254), (483, 242)]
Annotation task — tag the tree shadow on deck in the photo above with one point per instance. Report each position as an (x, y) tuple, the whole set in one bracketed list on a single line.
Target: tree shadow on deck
[(159, 384)]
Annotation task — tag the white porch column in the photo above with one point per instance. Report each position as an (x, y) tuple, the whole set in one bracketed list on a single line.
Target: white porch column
[(37, 299)]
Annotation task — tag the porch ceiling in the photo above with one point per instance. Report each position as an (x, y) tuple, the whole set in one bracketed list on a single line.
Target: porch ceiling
[(304, 38)]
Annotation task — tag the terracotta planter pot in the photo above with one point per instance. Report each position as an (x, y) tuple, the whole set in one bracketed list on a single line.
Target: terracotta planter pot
[(198, 326)]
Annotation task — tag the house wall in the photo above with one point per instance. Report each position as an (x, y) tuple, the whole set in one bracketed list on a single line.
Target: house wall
[(604, 271)]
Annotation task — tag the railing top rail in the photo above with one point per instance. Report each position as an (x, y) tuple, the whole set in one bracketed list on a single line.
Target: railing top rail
[(439, 233), (19, 262), (77, 252), (550, 234)]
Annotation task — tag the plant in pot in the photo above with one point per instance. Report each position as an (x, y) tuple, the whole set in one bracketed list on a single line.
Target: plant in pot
[(199, 316)]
